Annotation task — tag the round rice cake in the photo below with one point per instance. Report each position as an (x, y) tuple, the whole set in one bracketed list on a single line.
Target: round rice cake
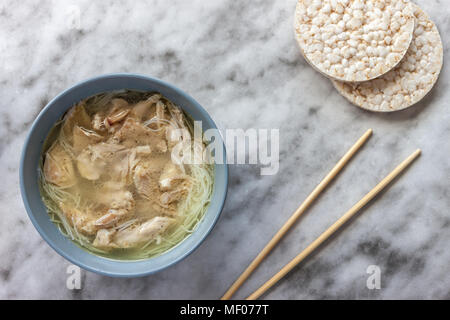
[(410, 81), (354, 40)]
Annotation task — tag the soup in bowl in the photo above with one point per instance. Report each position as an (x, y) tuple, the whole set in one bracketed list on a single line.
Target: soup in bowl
[(115, 179)]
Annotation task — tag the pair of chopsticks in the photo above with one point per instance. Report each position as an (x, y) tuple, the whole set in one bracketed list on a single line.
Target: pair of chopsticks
[(325, 235)]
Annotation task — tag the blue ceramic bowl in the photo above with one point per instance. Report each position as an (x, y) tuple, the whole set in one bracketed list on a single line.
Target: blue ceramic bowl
[(37, 211)]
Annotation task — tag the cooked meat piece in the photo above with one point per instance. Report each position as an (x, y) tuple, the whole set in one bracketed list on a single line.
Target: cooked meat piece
[(103, 239), (58, 167), (178, 116), (92, 161), (120, 204), (118, 104), (144, 179), (117, 116), (112, 217), (116, 199), (75, 116), (132, 236), (98, 122), (133, 133), (173, 136), (149, 230), (89, 167), (118, 112), (82, 221), (169, 197), (83, 137), (142, 110), (171, 176)]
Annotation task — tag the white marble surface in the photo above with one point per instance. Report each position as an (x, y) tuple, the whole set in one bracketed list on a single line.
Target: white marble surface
[(239, 59)]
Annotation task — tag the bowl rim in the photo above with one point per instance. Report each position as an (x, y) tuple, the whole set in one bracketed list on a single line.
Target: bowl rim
[(29, 210)]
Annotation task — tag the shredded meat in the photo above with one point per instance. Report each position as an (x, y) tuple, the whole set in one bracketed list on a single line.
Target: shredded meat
[(117, 162)]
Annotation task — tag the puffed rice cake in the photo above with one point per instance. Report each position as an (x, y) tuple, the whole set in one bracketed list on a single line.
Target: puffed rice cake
[(410, 81), (354, 40)]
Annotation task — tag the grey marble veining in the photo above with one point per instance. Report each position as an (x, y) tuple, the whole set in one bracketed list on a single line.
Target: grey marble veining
[(239, 59)]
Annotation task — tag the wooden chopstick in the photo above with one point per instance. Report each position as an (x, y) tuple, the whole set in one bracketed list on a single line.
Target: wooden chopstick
[(290, 222), (335, 226)]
